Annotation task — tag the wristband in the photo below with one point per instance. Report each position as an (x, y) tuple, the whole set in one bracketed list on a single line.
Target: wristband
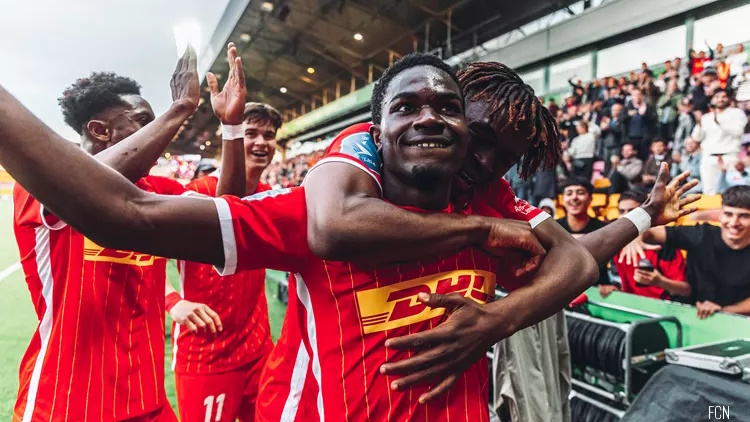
[(640, 218), (229, 132), (171, 300)]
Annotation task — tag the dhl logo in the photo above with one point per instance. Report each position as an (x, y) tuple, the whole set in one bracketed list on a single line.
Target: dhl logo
[(94, 252), (394, 306)]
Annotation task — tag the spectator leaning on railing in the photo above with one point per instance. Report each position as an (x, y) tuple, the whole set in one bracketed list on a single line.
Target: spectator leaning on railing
[(718, 258), (720, 134)]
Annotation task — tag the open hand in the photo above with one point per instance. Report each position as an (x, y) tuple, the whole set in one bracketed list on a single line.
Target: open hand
[(706, 309), (665, 204), (607, 289), (229, 104), (446, 351), (635, 251), (515, 241), (184, 82), (197, 317)]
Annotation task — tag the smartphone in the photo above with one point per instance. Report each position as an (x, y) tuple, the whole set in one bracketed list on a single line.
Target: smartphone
[(644, 265)]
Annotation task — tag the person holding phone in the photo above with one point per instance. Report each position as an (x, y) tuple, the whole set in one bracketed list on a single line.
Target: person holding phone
[(660, 274)]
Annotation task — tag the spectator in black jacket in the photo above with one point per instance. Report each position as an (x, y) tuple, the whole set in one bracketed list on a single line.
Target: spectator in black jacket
[(638, 123)]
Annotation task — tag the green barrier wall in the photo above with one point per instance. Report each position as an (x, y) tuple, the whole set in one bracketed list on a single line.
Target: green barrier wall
[(694, 331)]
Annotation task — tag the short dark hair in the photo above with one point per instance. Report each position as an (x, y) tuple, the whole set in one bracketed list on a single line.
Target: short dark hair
[(404, 63), (718, 90), (93, 94), (633, 195), (515, 104), (577, 181), (736, 196), (662, 140), (262, 113)]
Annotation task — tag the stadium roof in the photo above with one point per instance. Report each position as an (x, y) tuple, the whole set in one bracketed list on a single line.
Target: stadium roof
[(309, 47)]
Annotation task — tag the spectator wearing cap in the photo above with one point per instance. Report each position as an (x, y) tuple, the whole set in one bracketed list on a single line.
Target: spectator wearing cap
[(688, 160), (718, 258), (547, 205), (576, 201), (720, 134), (667, 277)]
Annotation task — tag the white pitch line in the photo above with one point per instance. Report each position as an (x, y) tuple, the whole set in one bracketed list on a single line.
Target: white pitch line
[(10, 270)]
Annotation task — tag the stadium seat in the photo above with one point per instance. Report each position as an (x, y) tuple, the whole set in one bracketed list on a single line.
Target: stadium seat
[(709, 202), (602, 183), (598, 200)]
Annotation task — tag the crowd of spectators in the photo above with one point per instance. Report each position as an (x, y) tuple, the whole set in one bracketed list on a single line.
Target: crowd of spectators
[(690, 113), (292, 172)]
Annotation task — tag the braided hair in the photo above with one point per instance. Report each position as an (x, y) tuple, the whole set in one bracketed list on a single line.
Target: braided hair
[(514, 103)]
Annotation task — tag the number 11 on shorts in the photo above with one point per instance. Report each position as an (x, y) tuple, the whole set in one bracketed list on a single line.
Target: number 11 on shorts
[(209, 403)]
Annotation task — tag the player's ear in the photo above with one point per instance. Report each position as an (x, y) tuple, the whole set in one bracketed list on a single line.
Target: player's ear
[(98, 130), (375, 133)]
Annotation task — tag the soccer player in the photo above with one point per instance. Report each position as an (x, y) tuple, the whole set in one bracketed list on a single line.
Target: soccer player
[(98, 351), (217, 375), (507, 123)]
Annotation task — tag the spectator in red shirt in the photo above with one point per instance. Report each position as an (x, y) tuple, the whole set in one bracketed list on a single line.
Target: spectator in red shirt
[(668, 277)]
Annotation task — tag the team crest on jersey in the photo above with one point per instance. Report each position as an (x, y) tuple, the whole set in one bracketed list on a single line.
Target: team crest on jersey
[(396, 305), (362, 147), (96, 253), (523, 207)]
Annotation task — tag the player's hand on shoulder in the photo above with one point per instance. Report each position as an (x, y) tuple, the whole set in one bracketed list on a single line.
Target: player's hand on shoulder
[(196, 317), (514, 241)]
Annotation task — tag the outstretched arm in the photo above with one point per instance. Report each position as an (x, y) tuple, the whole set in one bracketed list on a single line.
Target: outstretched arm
[(348, 221), (663, 206), (99, 202)]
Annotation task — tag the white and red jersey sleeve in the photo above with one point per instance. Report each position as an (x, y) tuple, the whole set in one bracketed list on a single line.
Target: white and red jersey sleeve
[(265, 230), (354, 146), (499, 196)]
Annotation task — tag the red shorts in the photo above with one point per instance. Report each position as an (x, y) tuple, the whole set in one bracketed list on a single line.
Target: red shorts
[(220, 397)]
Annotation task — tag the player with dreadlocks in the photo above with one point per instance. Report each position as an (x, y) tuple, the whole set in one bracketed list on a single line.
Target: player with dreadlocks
[(348, 221)]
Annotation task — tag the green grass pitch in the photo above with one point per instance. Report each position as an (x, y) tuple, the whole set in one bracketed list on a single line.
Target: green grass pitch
[(18, 320)]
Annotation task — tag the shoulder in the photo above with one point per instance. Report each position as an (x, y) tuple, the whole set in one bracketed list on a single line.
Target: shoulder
[(205, 185), (356, 142)]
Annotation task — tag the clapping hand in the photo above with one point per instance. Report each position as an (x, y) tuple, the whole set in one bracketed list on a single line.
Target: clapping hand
[(229, 104)]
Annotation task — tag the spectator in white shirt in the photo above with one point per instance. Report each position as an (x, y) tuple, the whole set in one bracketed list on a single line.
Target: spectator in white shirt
[(581, 151), (720, 134), (737, 61)]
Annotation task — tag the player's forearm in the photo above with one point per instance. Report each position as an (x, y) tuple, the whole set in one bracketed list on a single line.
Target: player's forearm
[(372, 230), (232, 180), (134, 156), (679, 288), (604, 243), (567, 270), (742, 307), (70, 183)]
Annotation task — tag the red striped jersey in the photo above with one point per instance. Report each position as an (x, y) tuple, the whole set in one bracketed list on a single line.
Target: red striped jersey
[(98, 352), (240, 301), (351, 309), (290, 359)]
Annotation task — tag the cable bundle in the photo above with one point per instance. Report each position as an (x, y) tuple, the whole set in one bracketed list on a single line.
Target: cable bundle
[(597, 346), (581, 411)]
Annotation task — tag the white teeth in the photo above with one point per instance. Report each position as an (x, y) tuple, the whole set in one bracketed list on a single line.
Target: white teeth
[(429, 145)]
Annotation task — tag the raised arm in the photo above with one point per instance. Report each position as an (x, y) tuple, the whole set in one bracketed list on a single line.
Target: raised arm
[(228, 106), (99, 202), (134, 156), (348, 221)]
